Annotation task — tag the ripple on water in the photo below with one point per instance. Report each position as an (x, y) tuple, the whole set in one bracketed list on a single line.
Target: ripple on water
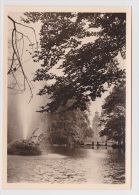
[(77, 166)]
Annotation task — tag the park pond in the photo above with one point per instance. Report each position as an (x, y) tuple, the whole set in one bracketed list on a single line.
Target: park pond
[(68, 165)]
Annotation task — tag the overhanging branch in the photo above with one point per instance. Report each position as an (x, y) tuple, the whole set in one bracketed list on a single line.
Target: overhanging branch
[(16, 64)]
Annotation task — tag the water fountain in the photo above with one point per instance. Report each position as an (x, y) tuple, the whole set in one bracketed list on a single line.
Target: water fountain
[(26, 146), (29, 143)]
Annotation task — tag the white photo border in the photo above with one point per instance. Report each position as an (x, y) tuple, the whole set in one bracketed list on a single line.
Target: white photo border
[(135, 81)]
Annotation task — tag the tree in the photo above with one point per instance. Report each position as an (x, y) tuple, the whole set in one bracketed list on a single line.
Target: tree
[(67, 127), (113, 115), (86, 66)]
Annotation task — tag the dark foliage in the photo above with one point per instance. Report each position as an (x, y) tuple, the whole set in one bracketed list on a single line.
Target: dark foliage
[(67, 127), (86, 66), (113, 115)]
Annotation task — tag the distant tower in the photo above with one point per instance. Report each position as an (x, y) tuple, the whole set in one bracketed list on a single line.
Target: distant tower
[(96, 128)]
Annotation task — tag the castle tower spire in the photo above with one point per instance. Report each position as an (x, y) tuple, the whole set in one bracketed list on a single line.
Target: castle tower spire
[(96, 127)]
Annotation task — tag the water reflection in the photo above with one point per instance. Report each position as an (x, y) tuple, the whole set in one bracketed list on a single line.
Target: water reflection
[(69, 165)]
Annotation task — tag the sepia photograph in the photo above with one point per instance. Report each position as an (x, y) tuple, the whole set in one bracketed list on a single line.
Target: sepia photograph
[(67, 97)]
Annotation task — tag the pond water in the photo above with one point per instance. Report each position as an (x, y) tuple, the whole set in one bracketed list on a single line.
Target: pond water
[(68, 165)]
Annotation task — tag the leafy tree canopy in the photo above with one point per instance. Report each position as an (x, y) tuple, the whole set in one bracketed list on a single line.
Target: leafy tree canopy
[(68, 127), (113, 115), (87, 66)]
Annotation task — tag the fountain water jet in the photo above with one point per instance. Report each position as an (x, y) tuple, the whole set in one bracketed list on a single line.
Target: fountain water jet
[(25, 114), (25, 125), (29, 120)]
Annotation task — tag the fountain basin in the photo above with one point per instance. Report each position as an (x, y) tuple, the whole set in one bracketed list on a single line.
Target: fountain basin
[(23, 147)]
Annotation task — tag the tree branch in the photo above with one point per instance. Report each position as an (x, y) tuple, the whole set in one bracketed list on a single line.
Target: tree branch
[(16, 57)]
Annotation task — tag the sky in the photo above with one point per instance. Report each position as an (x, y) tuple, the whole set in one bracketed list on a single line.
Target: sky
[(27, 112)]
